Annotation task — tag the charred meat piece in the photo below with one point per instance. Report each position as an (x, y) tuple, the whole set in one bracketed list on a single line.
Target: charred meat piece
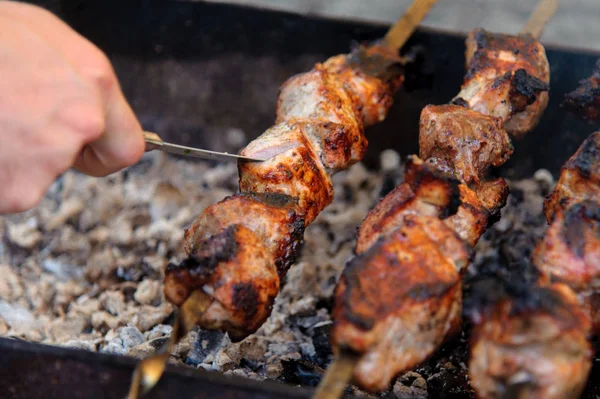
[(533, 345), (471, 218), (296, 171), (240, 297), (585, 100), (397, 301), (321, 96), (468, 142), (422, 193), (579, 178), (570, 250), (374, 95), (271, 216), (507, 77), (570, 253)]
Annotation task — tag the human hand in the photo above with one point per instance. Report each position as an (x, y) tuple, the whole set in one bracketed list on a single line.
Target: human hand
[(61, 106)]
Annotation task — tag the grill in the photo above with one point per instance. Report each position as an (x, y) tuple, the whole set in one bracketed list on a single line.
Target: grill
[(195, 72)]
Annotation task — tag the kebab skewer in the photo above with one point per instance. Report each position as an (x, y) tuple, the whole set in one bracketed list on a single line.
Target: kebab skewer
[(400, 297), (533, 340), (238, 250)]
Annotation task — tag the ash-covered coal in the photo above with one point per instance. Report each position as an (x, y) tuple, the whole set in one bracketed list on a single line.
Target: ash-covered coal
[(84, 269)]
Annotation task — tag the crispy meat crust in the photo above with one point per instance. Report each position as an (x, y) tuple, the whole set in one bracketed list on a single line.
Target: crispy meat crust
[(296, 172), (423, 193), (536, 351), (242, 297), (585, 100), (271, 216), (375, 96), (507, 77), (397, 301), (579, 178), (467, 141), (570, 250)]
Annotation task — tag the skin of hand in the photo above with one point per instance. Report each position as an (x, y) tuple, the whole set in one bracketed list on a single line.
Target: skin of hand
[(61, 106)]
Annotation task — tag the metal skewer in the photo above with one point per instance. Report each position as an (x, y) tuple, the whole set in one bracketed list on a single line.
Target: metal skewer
[(154, 142)]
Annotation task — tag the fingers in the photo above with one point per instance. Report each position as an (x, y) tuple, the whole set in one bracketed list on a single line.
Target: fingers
[(121, 145)]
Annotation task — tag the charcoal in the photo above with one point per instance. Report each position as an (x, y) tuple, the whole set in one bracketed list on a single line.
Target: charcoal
[(301, 372), (207, 342), (105, 287)]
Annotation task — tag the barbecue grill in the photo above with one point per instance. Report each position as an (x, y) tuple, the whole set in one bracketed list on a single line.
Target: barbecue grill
[(194, 71)]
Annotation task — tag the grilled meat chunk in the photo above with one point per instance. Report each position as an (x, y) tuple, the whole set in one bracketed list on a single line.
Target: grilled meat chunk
[(579, 178), (471, 218), (507, 77), (570, 250), (398, 300), (241, 297), (374, 95), (570, 253), (321, 96), (296, 171), (468, 142), (422, 193), (585, 100), (271, 216), (533, 346)]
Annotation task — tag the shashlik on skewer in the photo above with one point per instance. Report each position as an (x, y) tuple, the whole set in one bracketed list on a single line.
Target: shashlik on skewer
[(585, 99), (536, 341), (400, 297), (239, 250)]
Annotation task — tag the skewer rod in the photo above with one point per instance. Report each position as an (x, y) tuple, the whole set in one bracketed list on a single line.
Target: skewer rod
[(544, 11), (398, 34)]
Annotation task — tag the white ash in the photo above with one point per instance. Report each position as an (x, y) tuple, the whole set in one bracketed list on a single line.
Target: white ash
[(84, 269)]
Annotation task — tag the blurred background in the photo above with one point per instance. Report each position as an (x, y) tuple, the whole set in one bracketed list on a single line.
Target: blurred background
[(576, 24)]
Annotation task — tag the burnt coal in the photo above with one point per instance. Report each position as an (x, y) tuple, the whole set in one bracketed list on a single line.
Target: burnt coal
[(301, 372), (322, 343), (206, 343)]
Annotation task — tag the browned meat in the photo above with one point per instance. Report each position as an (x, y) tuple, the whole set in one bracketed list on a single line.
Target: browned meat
[(241, 297), (585, 100), (297, 171), (579, 178), (570, 250), (468, 142), (423, 193), (535, 342), (507, 77), (271, 216), (471, 219), (533, 346), (375, 98), (239, 249), (319, 96), (397, 301), (377, 313)]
